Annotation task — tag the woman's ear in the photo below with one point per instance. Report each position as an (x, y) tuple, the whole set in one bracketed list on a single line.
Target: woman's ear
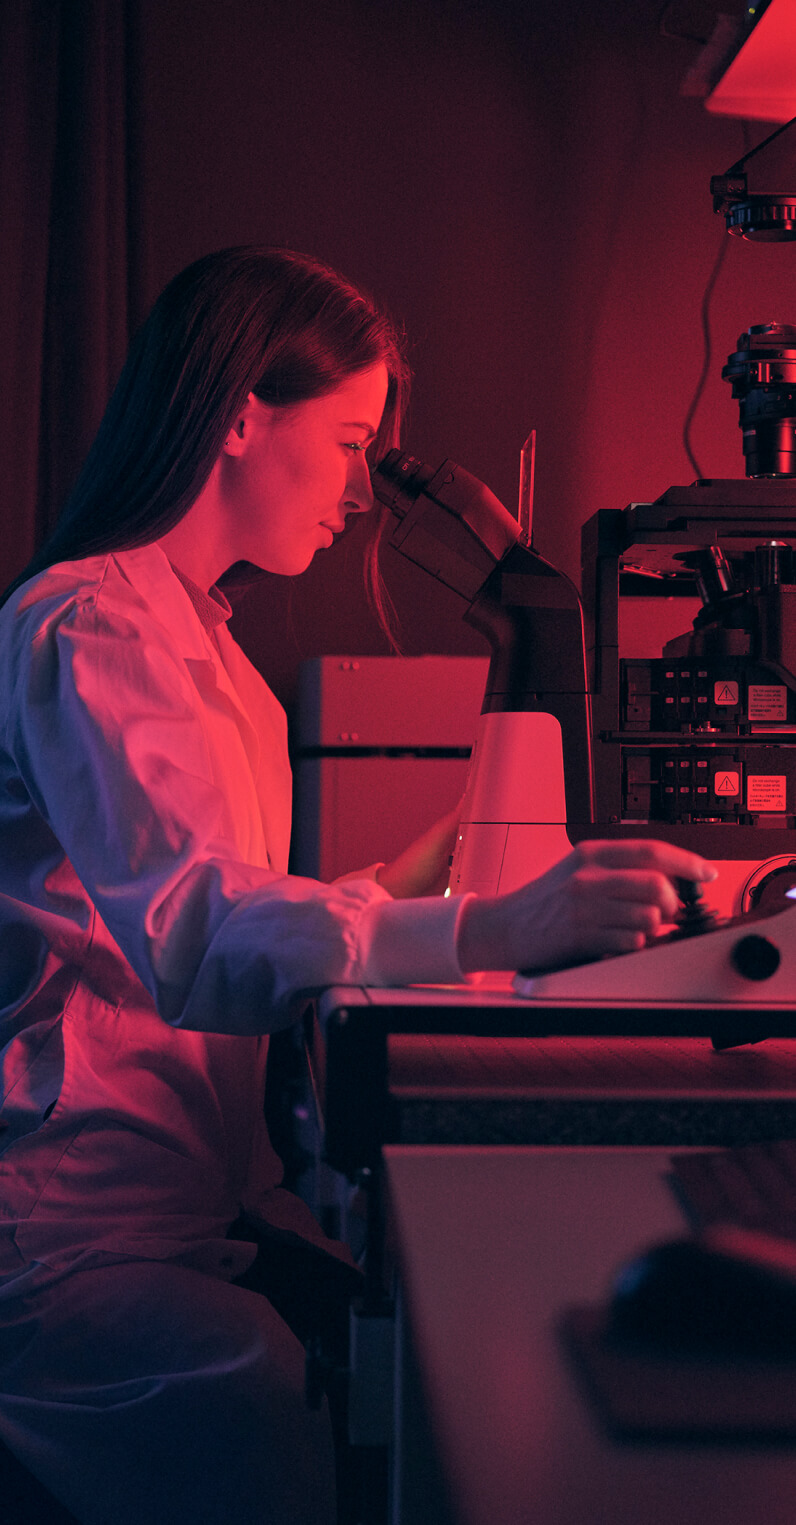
[(239, 434)]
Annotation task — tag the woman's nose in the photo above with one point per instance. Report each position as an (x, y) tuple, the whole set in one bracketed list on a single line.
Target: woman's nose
[(359, 489)]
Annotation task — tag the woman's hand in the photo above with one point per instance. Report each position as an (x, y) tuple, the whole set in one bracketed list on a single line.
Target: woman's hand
[(423, 867), (604, 897)]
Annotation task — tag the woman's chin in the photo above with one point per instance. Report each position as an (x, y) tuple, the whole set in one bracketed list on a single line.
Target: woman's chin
[(291, 565)]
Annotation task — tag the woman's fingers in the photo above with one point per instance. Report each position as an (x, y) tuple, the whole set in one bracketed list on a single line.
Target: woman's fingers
[(634, 870), (641, 915), (604, 897), (636, 852), (610, 890)]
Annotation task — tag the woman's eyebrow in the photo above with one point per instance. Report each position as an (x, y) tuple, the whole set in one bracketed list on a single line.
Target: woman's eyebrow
[(351, 423)]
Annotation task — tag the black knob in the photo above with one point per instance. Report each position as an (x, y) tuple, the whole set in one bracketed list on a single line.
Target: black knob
[(755, 957)]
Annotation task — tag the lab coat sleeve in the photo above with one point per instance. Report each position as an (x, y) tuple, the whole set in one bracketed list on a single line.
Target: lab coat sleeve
[(108, 736)]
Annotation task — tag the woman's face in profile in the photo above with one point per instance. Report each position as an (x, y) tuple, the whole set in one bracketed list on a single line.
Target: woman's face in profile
[(292, 475)]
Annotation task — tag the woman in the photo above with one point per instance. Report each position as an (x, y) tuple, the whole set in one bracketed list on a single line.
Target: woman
[(152, 938)]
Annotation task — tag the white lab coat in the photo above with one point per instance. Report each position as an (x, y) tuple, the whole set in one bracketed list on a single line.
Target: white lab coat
[(149, 940)]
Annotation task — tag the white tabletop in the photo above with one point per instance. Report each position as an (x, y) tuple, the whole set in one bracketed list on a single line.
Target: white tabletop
[(494, 1244)]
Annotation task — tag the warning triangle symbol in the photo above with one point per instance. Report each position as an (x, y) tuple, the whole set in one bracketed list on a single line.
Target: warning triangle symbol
[(727, 694), (725, 785)]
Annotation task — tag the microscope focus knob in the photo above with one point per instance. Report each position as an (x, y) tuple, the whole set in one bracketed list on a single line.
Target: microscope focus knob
[(756, 958)]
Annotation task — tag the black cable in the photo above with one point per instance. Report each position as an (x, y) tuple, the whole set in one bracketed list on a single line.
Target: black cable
[(708, 355), (705, 318)]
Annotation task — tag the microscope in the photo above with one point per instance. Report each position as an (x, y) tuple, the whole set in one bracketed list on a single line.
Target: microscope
[(579, 738), (575, 740)]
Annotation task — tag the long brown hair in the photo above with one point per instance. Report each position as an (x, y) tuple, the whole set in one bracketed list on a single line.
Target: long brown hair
[(248, 319)]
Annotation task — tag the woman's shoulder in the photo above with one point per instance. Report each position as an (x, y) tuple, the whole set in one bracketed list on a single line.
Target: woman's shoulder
[(101, 618), (65, 580), (137, 586)]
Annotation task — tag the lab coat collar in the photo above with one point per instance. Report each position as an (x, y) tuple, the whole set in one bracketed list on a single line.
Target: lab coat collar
[(151, 574), (149, 571), (213, 607)]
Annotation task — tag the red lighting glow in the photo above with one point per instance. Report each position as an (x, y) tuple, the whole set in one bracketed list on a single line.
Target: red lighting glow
[(760, 83)]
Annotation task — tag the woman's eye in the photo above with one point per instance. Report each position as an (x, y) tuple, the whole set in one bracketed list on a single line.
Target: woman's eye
[(358, 449)]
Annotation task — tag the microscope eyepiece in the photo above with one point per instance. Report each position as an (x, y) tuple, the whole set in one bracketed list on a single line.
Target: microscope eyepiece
[(450, 522), (399, 479)]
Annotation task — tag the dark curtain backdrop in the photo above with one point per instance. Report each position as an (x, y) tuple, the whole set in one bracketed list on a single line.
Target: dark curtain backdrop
[(71, 245)]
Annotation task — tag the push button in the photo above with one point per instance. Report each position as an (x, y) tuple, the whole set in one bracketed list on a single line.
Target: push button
[(756, 958)]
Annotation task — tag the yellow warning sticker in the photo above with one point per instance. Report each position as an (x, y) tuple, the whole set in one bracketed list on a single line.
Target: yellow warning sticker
[(766, 791), (768, 701), (725, 692), (726, 782)]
